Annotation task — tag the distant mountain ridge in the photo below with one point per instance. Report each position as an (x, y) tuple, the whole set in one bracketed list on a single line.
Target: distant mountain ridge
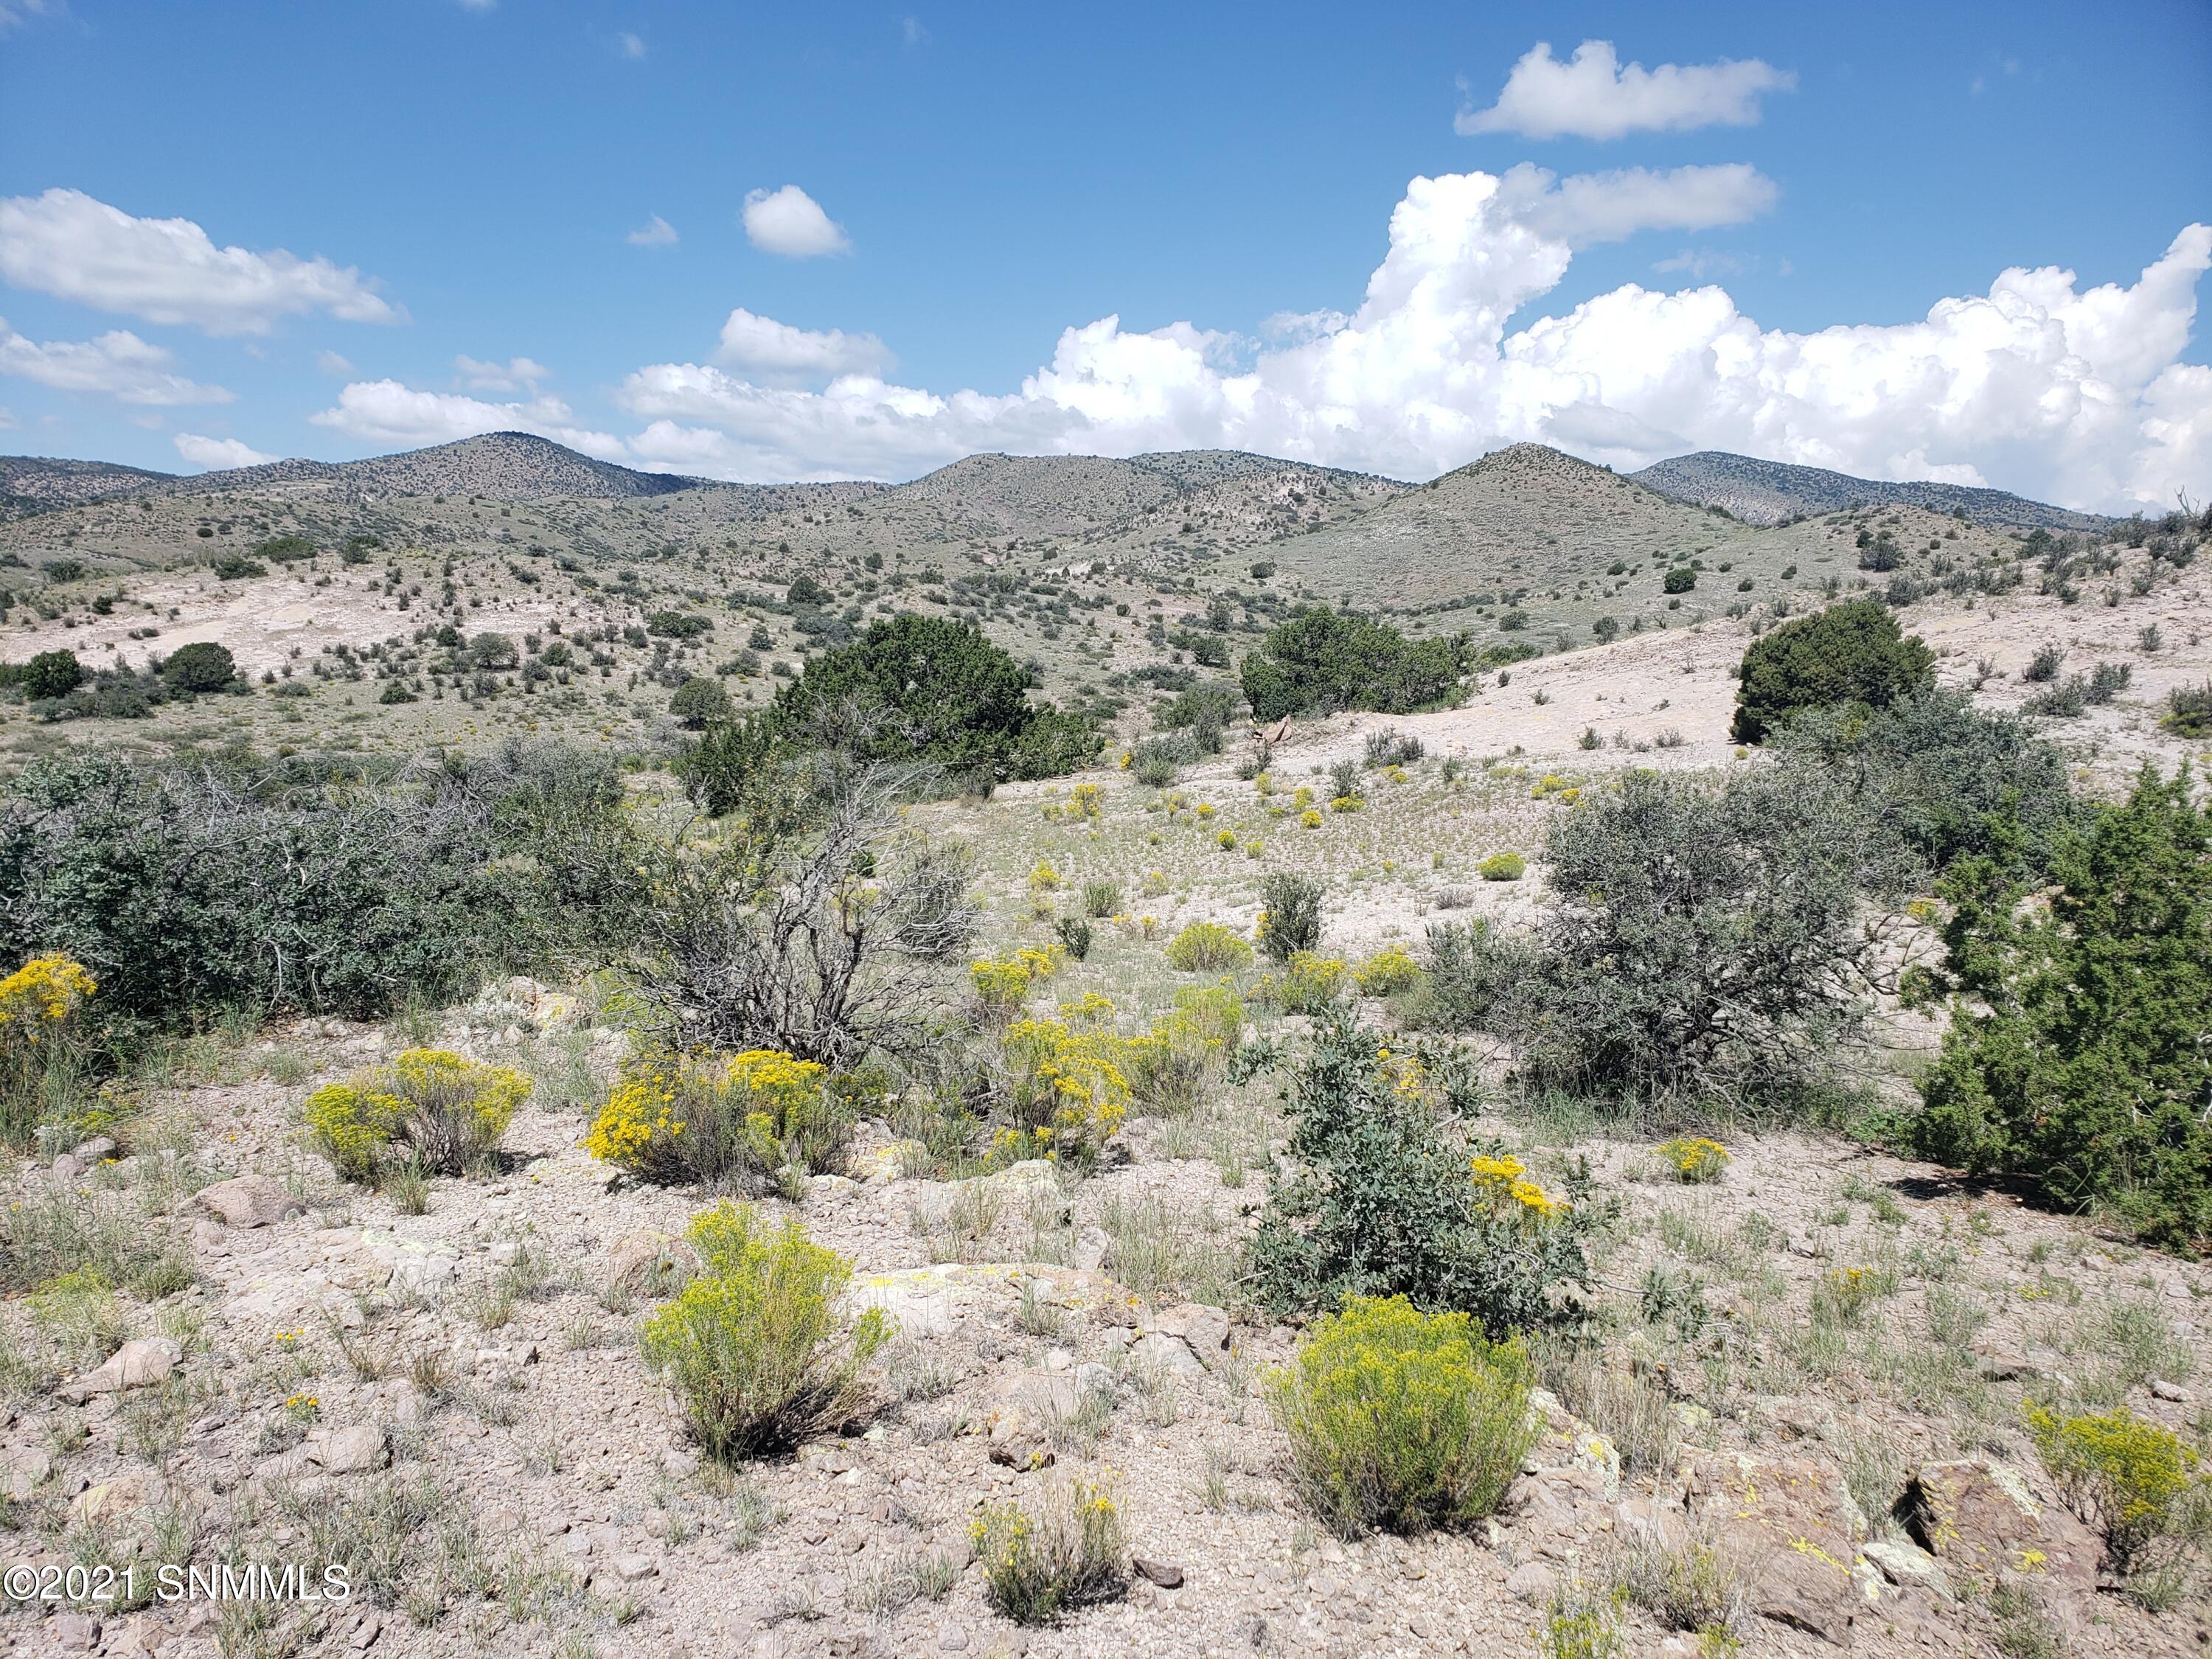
[(1025, 495), (1772, 492)]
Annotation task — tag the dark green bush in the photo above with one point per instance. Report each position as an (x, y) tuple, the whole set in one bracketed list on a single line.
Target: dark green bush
[(931, 689), (698, 701), (202, 666), (1383, 1199), (233, 883), (51, 674), (1934, 772), (1328, 660), (1848, 654), (1703, 946), (2076, 1058), (1681, 580), (1290, 910)]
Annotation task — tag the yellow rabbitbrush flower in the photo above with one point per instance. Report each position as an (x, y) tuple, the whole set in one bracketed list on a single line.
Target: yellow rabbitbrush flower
[(39, 1035), (1002, 984), (1067, 1087), (448, 1110), (705, 1116), (1696, 1159), (1503, 1184), (45, 990)]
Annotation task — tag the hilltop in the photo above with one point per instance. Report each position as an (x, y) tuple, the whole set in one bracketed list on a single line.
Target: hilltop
[(1772, 492)]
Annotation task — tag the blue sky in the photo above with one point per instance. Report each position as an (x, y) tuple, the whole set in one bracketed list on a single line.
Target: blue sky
[(997, 176)]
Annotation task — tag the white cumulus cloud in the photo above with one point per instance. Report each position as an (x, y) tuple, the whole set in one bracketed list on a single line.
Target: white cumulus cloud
[(2041, 386), (217, 454), (168, 271), (514, 375), (656, 232), (1592, 95), (119, 363), (778, 351), (791, 222), (1589, 208), (387, 412)]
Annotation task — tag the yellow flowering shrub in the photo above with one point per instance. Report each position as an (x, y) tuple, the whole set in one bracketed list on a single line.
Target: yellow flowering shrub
[(1002, 984), (1071, 1553), (1503, 866), (754, 1344), (1206, 810), (1263, 784), (1404, 1420), (40, 1003), (1043, 878), (1066, 1090), (1505, 1192), (1208, 947), (1309, 819), (2127, 1476), (1226, 840), (1695, 1160), (448, 1111), (1311, 981), (1388, 972), (1169, 1066), (1347, 804), (1086, 800), (1302, 797), (1844, 1294), (714, 1118)]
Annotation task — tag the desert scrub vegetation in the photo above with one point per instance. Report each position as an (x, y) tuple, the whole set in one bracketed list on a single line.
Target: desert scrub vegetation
[(1503, 866), (1849, 654), (2137, 1481), (812, 920), (430, 1108), (1387, 973), (1067, 1553), (1329, 660), (1695, 1160), (723, 1120), (41, 1045), (2074, 1058), (288, 885), (1706, 944), (1403, 1420), (755, 1345), (1385, 1193), (1207, 947), (1290, 914)]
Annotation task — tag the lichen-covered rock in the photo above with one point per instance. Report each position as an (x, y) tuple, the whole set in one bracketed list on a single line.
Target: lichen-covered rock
[(1979, 1519)]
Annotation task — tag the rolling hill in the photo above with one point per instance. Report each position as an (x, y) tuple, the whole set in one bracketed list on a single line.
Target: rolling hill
[(1772, 492)]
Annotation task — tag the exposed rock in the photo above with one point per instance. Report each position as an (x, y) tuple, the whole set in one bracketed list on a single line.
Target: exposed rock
[(1204, 1330), (134, 1366), (2162, 1389), (1906, 1565), (1793, 1522), (124, 1494), (1979, 1519), (350, 1450), (1165, 1574), (251, 1200), (22, 1470), (1531, 1581), (649, 1262), (1169, 1353), (1017, 1193), (631, 1568), (411, 1267)]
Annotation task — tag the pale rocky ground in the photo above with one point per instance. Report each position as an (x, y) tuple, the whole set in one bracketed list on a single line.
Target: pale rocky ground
[(550, 1433), (604, 1534)]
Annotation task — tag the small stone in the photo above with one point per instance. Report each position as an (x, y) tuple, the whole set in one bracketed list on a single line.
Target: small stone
[(350, 1450), (134, 1366), (679, 1463), (251, 1200), (1165, 1574), (952, 1639), (365, 1633), (2162, 1389), (631, 1568), (74, 1632), (1530, 1581)]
